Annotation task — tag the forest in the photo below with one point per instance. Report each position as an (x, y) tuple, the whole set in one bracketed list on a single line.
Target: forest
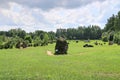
[(20, 38)]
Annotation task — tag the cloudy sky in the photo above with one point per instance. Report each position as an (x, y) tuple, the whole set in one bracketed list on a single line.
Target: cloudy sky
[(48, 15)]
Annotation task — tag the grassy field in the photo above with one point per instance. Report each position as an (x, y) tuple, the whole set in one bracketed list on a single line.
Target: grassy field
[(97, 63)]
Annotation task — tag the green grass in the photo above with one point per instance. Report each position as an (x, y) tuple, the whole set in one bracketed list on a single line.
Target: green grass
[(97, 63)]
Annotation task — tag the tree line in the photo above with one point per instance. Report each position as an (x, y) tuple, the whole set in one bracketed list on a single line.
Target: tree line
[(19, 37), (81, 33), (111, 30)]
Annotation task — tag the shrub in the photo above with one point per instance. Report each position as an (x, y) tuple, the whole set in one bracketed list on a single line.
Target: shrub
[(117, 38), (28, 38), (1, 46), (9, 45), (18, 45), (105, 37), (24, 44), (77, 41), (35, 45)]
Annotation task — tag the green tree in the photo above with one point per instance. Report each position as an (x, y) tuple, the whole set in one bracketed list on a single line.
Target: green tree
[(105, 36), (28, 38), (21, 33), (51, 35), (117, 38), (45, 39), (110, 23), (117, 22)]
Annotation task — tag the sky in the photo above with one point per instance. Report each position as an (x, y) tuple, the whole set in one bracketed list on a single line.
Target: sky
[(49, 15)]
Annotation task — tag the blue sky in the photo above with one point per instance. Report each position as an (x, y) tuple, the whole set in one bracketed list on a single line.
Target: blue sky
[(48, 15)]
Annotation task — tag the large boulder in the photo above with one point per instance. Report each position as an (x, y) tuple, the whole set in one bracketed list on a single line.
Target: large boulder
[(61, 46)]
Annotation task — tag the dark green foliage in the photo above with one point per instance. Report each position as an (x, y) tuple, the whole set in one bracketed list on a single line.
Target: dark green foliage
[(24, 44), (16, 32), (77, 41), (117, 38), (111, 38), (44, 44), (28, 38), (113, 23), (51, 36), (9, 45), (117, 22), (96, 43), (113, 26), (110, 24), (36, 41), (61, 46), (45, 39), (35, 45), (18, 45), (30, 45), (105, 37), (1, 46), (82, 32), (19, 37)]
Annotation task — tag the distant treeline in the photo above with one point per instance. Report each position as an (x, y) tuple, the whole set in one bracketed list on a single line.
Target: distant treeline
[(81, 33), (18, 37)]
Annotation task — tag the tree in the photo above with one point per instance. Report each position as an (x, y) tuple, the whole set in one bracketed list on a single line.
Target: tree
[(21, 33), (105, 36), (117, 38), (51, 36), (36, 41), (61, 32), (110, 23), (28, 38), (117, 22), (18, 45), (45, 39), (9, 45)]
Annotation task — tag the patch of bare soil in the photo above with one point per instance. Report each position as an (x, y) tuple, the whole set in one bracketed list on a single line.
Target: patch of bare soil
[(50, 53)]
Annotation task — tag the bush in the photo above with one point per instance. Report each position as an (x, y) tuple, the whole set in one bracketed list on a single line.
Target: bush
[(105, 37), (30, 45), (117, 38), (35, 45), (36, 41), (77, 41), (24, 44), (111, 37), (28, 38), (18, 45), (1, 46), (9, 45)]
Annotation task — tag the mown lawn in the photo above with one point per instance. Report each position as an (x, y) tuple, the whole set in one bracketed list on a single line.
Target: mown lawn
[(97, 63)]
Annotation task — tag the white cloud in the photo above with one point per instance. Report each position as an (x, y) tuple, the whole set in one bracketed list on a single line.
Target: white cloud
[(31, 19), (49, 4)]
